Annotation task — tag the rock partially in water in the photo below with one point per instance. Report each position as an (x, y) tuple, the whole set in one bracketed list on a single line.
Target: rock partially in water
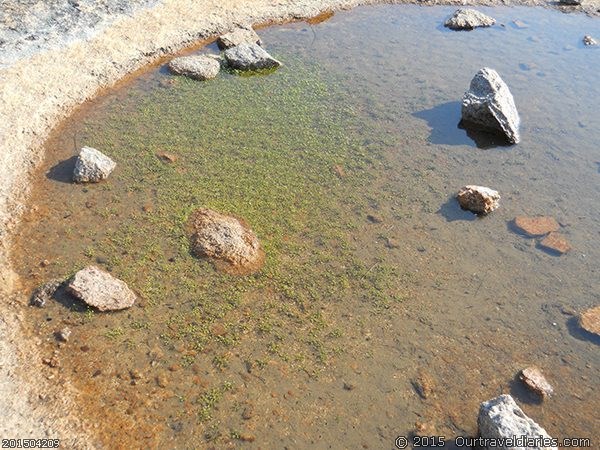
[(570, 2), (535, 380), (101, 290), (556, 242), (241, 35), (501, 418), (478, 199), (92, 166), (468, 19), (250, 57), (536, 226), (226, 240), (589, 320), (63, 335), (489, 105), (45, 292), (197, 67), (588, 40)]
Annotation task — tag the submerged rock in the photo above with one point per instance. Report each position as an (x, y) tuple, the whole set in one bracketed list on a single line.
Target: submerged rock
[(101, 290), (250, 57), (488, 104), (589, 320), (536, 226), (241, 35), (501, 418), (92, 166), (478, 199), (44, 293), (535, 380), (468, 19), (226, 240), (63, 335), (197, 67), (588, 40), (556, 242)]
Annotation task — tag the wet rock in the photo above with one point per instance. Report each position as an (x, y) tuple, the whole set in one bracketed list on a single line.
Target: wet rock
[(570, 2), (520, 24), (241, 35), (535, 380), (536, 226), (92, 166), (226, 240), (197, 67), (250, 57), (374, 218), (556, 242), (468, 19), (63, 335), (424, 384), (501, 418), (589, 320), (489, 105), (478, 199), (588, 40), (101, 290), (44, 293), (167, 157)]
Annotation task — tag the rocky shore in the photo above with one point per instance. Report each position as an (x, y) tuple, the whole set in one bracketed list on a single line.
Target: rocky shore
[(93, 44)]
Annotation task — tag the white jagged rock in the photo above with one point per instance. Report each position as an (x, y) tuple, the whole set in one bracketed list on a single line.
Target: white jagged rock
[(468, 19), (478, 199), (92, 166)]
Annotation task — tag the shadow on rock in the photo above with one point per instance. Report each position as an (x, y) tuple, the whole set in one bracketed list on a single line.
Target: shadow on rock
[(443, 119), (579, 333), (452, 211), (63, 171), (523, 394)]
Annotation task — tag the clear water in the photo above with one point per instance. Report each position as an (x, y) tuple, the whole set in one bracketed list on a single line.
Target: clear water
[(376, 285)]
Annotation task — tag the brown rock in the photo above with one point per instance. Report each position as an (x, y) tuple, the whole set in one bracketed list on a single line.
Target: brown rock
[(589, 320), (556, 242), (535, 380), (228, 241), (536, 226), (166, 157), (478, 199), (247, 437)]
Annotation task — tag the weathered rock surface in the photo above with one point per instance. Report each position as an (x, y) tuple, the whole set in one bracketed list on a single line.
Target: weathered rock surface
[(589, 320), (44, 293), (556, 242), (536, 226), (227, 240), (588, 40), (478, 199), (535, 380), (101, 290), (468, 19), (197, 67), (501, 418), (489, 105), (250, 57), (241, 35), (92, 166)]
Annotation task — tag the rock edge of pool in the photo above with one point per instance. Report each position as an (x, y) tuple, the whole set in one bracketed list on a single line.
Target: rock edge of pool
[(35, 99)]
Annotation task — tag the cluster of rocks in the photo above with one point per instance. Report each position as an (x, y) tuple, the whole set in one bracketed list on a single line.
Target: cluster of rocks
[(545, 228), (242, 50)]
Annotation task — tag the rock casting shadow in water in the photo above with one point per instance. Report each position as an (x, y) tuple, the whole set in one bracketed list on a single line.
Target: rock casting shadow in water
[(63, 171), (579, 333), (523, 394), (443, 121), (63, 297), (452, 211)]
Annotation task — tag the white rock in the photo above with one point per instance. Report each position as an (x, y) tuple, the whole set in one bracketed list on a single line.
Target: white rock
[(198, 67), (92, 166), (101, 290), (501, 418), (488, 104), (241, 35), (467, 19), (250, 57), (478, 199)]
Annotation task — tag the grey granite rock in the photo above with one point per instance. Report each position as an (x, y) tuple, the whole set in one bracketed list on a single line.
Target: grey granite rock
[(198, 67), (489, 105), (101, 290), (240, 35), (468, 19), (250, 57), (92, 166), (501, 418)]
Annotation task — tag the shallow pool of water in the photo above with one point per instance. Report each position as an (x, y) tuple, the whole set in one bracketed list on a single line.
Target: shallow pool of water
[(382, 309)]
